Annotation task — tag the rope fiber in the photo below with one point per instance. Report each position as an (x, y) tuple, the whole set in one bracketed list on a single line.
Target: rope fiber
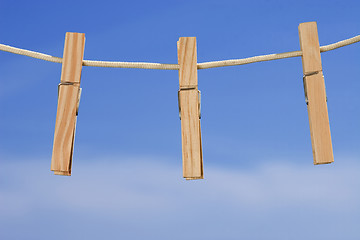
[(164, 66)]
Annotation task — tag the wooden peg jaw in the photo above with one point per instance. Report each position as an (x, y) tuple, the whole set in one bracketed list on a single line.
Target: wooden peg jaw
[(68, 103), (314, 87), (189, 101)]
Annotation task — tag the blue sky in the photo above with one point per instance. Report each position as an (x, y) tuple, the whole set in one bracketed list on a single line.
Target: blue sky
[(127, 183)]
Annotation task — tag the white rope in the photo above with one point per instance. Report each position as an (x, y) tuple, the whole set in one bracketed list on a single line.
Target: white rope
[(205, 65), (144, 65), (234, 62), (29, 53), (275, 56)]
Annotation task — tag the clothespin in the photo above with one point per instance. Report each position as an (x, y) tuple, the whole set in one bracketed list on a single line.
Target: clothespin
[(189, 109), (315, 94), (68, 103)]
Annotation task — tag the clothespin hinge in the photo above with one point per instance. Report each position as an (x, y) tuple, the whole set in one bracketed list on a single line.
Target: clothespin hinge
[(185, 89), (304, 83), (79, 93)]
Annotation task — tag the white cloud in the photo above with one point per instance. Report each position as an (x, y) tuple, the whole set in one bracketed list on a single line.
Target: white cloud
[(133, 188)]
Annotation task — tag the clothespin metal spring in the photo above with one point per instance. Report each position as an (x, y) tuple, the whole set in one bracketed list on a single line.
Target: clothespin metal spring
[(199, 104), (304, 84), (79, 94)]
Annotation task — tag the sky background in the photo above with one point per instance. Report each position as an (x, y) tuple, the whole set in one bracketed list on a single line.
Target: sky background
[(260, 181)]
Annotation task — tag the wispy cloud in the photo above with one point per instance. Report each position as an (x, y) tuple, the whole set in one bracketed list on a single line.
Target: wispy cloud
[(144, 191)]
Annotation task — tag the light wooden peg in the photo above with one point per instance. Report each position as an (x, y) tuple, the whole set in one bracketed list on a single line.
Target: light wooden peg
[(315, 94), (68, 101), (189, 109)]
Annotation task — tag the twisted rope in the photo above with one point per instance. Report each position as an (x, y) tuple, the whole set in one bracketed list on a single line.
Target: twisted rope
[(164, 66)]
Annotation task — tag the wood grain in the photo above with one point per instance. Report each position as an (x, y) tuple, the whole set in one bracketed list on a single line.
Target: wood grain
[(189, 103), (314, 86), (68, 98), (72, 57), (187, 59)]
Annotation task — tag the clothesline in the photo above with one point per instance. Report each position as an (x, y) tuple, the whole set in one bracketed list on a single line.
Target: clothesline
[(165, 66)]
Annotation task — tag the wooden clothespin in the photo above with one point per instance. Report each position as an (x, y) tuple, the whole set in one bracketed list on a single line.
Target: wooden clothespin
[(315, 94), (189, 109), (68, 102)]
